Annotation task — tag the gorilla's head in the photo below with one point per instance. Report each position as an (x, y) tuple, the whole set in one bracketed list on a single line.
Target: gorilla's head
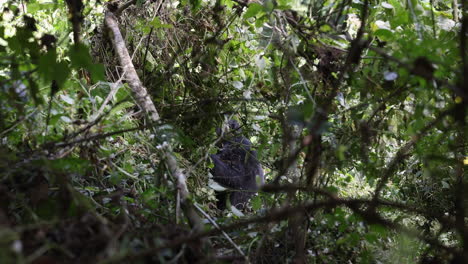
[(232, 126)]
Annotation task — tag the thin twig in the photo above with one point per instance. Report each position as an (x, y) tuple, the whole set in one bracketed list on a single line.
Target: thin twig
[(124, 6), (19, 121), (213, 222)]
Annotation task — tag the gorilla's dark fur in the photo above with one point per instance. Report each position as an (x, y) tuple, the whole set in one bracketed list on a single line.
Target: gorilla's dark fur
[(235, 167)]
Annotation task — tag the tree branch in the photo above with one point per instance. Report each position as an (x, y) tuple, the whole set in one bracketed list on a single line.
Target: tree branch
[(146, 104)]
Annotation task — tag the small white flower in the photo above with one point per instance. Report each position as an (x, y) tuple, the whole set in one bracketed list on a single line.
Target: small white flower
[(17, 246), (238, 85), (383, 24), (260, 62), (386, 5), (390, 76), (247, 94), (446, 23)]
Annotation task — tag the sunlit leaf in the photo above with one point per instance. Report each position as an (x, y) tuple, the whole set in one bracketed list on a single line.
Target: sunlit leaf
[(254, 9)]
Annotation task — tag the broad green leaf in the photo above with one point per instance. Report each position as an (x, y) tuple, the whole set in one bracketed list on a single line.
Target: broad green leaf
[(384, 34), (196, 4), (121, 106), (256, 203), (253, 10), (156, 23), (51, 70), (81, 59)]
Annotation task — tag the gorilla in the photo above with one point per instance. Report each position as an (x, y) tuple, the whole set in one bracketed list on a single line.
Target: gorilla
[(236, 167)]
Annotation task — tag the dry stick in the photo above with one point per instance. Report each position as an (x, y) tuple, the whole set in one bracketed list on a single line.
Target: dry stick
[(114, 88), (124, 6), (96, 118), (146, 104), (17, 122), (141, 95), (213, 222), (146, 53), (94, 137), (455, 10)]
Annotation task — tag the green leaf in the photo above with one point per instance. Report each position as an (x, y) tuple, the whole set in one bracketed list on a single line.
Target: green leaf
[(384, 34), (70, 165), (49, 69), (371, 238), (97, 72), (81, 59), (256, 203), (269, 5), (151, 62), (79, 56), (195, 4), (121, 106), (34, 7), (47, 65), (325, 28), (54, 119), (283, 7), (122, 94), (401, 18), (379, 229), (61, 73), (351, 239), (284, 2), (253, 10), (48, 209), (340, 152), (156, 23), (261, 20)]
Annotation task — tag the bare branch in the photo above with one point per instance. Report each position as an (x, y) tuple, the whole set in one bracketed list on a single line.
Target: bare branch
[(146, 104), (141, 95)]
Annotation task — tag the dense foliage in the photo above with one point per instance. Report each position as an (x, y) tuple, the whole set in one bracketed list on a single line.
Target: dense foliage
[(357, 110)]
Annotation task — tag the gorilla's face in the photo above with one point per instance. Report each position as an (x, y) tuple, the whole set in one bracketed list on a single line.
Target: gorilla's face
[(232, 126)]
